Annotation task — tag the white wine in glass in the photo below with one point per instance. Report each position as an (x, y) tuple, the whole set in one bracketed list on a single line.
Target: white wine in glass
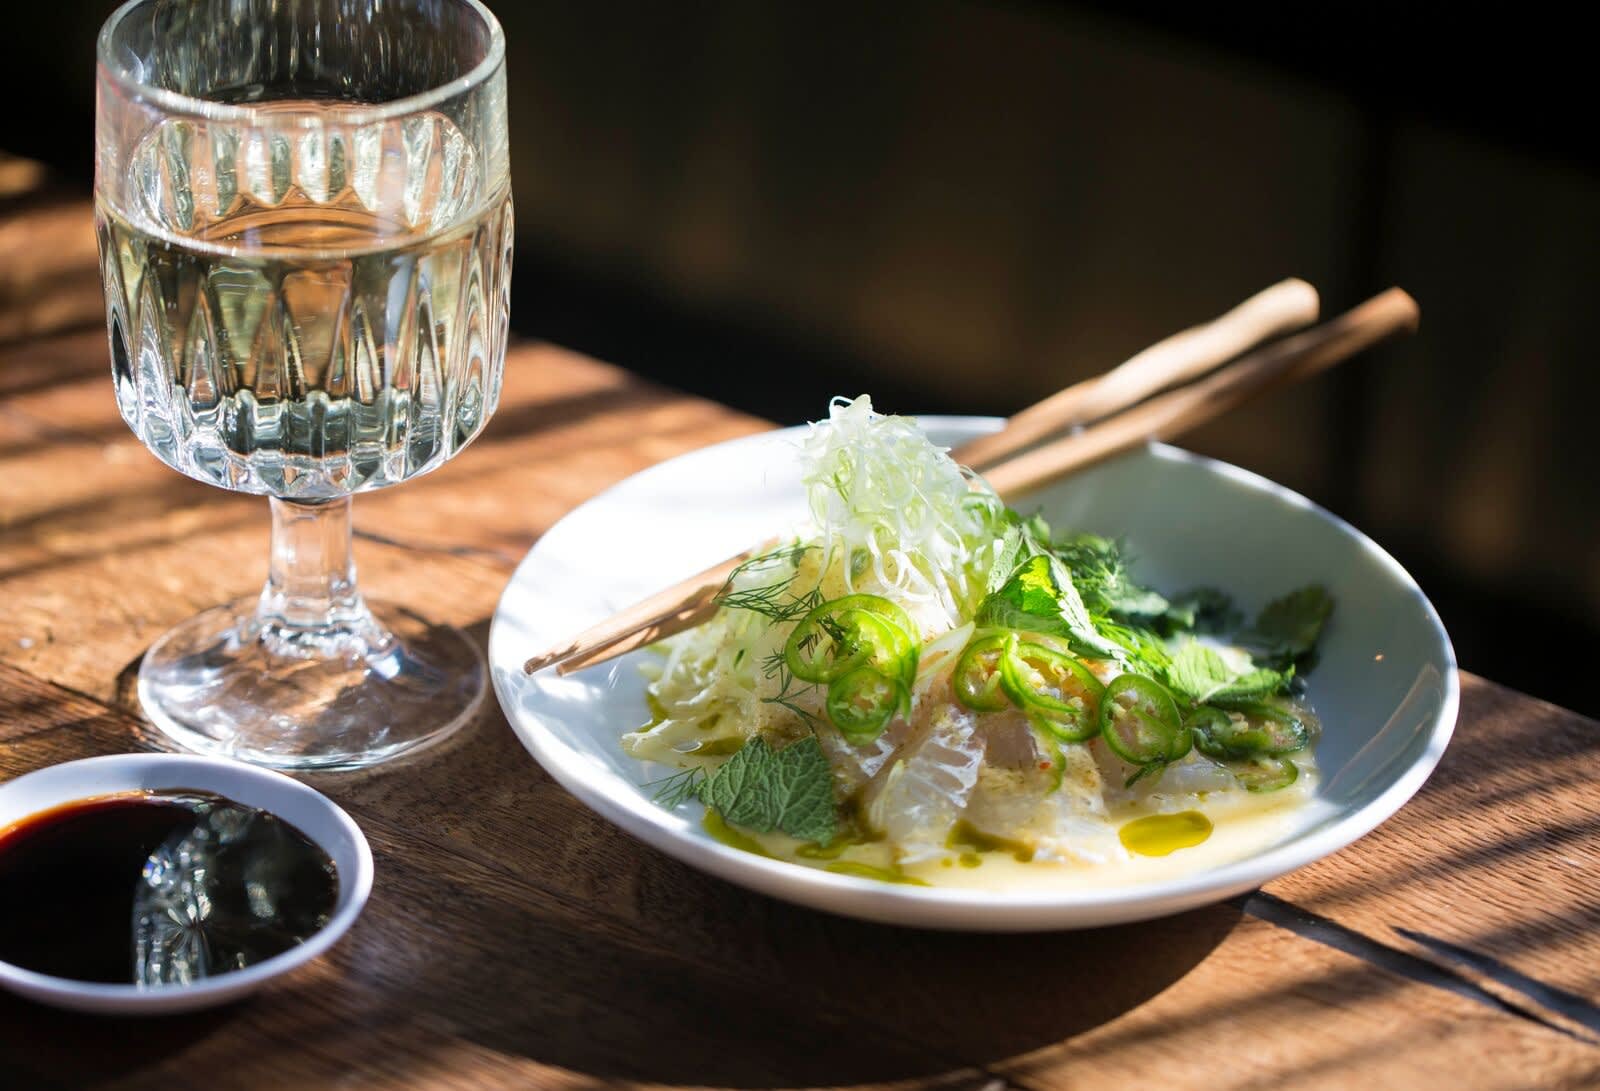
[(305, 233)]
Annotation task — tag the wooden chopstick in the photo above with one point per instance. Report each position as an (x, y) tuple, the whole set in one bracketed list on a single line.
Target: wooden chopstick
[(1283, 308), (1288, 305), (1298, 357), (1167, 415)]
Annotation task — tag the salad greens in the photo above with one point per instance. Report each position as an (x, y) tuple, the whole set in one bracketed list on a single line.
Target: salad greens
[(919, 616), (763, 789)]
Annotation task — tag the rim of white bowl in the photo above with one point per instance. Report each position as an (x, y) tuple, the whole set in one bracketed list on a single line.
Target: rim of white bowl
[(1006, 910), (173, 771)]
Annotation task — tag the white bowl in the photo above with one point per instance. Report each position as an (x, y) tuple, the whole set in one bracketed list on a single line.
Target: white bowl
[(1385, 686), (308, 810)]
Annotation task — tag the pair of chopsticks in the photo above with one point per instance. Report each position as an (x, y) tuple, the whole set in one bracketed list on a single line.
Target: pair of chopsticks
[(1169, 388)]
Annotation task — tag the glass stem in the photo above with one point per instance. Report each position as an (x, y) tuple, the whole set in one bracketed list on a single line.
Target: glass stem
[(310, 605)]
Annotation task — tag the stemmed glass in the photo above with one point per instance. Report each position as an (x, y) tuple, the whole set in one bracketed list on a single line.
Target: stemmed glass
[(305, 228)]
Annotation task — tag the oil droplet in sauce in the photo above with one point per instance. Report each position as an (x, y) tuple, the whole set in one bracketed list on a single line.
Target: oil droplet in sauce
[(964, 835), (718, 828), (1162, 834)]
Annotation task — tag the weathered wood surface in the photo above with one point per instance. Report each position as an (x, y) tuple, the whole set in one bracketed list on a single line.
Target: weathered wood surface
[(515, 939)]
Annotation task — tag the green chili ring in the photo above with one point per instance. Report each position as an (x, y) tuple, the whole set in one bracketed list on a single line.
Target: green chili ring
[(1266, 730), (976, 681), (1139, 720), (845, 633), (1265, 774), (1053, 688), (862, 702)]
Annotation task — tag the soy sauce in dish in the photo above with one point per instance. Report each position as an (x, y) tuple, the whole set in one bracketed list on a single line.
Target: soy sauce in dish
[(157, 888)]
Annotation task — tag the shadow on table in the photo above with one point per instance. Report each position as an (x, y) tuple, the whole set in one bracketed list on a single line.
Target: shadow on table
[(41, 1047), (789, 996), (574, 946), (507, 917)]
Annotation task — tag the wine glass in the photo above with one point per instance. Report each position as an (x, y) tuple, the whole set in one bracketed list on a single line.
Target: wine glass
[(305, 227)]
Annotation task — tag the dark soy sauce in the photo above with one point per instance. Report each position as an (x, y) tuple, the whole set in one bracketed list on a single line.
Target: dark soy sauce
[(157, 888)]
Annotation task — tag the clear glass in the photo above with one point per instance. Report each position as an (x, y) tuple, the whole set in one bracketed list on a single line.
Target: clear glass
[(305, 227)]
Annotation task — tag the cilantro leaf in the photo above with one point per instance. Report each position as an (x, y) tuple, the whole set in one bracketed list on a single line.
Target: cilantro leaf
[(1040, 597), (1203, 674), (1287, 629), (763, 789)]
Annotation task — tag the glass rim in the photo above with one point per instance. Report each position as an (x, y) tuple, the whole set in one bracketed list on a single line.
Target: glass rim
[(352, 112)]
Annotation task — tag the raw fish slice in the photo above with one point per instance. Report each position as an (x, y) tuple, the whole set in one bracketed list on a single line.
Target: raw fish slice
[(1182, 781), (1021, 803), (1009, 741), (853, 766), (1191, 776), (918, 797)]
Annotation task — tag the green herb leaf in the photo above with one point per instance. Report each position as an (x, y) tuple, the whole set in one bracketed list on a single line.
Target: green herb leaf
[(1040, 597), (1202, 674), (1203, 610), (670, 791), (763, 790), (1100, 570), (1141, 650), (1021, 539), (1288, 628), (774, 599)]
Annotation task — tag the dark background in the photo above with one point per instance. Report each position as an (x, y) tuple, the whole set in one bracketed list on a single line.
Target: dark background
[(963, 206)]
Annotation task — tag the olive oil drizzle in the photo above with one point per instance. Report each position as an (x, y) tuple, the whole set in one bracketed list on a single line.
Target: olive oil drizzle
[(1164, 834)]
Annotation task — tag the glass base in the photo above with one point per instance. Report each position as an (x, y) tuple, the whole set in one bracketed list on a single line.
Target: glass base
[(227, 682)]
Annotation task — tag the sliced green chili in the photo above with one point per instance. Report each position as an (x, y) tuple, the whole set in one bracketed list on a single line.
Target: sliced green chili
[(850, 632), (1249, 730), (1265, 774), (1058, 693), (1139, 720), (863, 701), (977, 676)]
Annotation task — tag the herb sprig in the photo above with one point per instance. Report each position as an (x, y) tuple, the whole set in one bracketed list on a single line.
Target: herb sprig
[(775, 601), (763, 789)]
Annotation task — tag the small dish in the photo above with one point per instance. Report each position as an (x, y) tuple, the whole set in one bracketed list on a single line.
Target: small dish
[(308, 810), (1385, 686)]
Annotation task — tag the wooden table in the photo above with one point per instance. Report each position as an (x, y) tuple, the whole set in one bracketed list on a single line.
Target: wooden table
[(515, 939)]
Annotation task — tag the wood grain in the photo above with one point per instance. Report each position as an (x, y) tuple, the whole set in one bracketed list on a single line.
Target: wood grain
[(515, 939), (674, 977)]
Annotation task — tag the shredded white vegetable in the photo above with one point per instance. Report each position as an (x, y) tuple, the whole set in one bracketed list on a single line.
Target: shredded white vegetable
[(892, 515), (908, 519)]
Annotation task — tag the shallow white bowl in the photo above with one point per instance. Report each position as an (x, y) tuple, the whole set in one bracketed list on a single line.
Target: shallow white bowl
[(308, 810), (1385, 687)]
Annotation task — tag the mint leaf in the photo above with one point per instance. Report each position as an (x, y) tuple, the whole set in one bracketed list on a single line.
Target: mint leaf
[(1011, 551), (763, 790), (805, 790), (1203, 675), (1141, 650), (735, 788), (1288, 628), (1203, 610), (1040, 597), (1129, 601), (1021, 539)]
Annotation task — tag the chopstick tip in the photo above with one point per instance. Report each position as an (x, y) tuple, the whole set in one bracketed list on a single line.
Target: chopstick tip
[(1408, 306)]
